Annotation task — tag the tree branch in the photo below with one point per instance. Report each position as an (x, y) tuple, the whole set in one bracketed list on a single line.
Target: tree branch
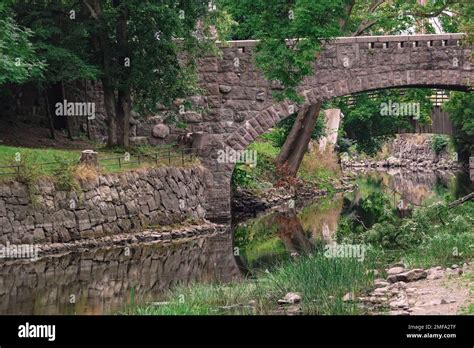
[(369, 23), (91, 10)]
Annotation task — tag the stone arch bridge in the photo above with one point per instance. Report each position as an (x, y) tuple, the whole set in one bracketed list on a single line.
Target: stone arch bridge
[(238, 101)]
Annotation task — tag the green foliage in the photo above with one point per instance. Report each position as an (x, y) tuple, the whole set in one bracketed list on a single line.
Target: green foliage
[(439, 143), (432, 235), (58, 40), (64, 176), (286, 125), (241, 178), (19, 62), (276, 136), (460, 108), (28, 172), (365, 123), (275, 21), (260, 176)]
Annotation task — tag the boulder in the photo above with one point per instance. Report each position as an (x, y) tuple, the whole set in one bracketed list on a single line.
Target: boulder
[(348, 297), (395, 270), (408, 276), (160, 131), (380, 283)]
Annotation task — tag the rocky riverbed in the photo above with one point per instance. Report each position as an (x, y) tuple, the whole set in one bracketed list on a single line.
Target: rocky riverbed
[(248, 204), (410, 151), (433, 291)]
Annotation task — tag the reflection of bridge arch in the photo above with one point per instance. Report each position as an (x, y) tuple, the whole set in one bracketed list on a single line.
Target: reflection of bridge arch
[(241, 107)]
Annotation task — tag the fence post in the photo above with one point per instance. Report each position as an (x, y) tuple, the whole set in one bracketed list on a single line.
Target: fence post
[(169, 156)]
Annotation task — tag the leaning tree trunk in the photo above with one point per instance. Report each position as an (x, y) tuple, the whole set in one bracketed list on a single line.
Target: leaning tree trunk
[(296, 144)]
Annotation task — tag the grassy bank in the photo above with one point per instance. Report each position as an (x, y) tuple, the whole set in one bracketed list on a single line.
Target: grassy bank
[(320, 169), (45, 162), (323, 282)]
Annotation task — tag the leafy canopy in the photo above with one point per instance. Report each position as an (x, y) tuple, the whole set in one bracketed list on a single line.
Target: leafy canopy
[(18, 60)]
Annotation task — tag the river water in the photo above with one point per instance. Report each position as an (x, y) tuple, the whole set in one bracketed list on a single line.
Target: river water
[(106, 280)]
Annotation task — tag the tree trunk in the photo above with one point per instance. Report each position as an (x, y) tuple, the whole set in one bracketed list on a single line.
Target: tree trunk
[(123, 98), (68, 121), (86, 99), (109, 102), (123, 118), (48, 113), (296, 144)]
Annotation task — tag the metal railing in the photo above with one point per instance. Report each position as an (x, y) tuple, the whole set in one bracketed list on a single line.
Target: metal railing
[(166, 155), (163, 156)]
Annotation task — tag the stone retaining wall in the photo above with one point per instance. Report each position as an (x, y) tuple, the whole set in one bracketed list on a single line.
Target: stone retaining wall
[(109, 205), (413, 151)]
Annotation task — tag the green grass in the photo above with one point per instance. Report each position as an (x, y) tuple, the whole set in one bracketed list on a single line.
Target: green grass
[(322, 282), (8, 153), (108, 159), (319, 169)]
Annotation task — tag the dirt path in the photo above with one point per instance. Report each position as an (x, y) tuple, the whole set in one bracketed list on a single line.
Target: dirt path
[(446, 295), (434, 291)]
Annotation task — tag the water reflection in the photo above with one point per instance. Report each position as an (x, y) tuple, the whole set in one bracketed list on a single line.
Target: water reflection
[(105, 280), (275, 237), (102, 281)]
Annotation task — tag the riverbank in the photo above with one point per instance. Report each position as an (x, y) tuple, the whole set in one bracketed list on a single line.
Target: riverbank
[(420, 152), (317, 284), (157, 234)]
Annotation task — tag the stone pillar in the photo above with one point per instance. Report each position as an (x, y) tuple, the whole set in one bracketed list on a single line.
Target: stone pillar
[(218, 190), (333, 119), (89, 158)]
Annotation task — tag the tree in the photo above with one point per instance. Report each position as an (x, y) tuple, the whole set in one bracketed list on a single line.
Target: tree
[(289, 64), (57, 39), (137, 45), (19, 62)]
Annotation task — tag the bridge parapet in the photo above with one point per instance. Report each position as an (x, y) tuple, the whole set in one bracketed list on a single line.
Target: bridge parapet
[(358, 39)]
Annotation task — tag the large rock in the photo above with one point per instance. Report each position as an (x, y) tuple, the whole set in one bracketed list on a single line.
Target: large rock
[(395, 270), (160, 131), (408, 276)]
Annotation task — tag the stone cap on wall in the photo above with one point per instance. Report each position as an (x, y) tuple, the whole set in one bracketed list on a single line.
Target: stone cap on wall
[(357, 39)]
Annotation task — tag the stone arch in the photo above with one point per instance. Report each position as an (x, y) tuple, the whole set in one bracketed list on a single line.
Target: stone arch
[(346, 66), (266, 119)]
